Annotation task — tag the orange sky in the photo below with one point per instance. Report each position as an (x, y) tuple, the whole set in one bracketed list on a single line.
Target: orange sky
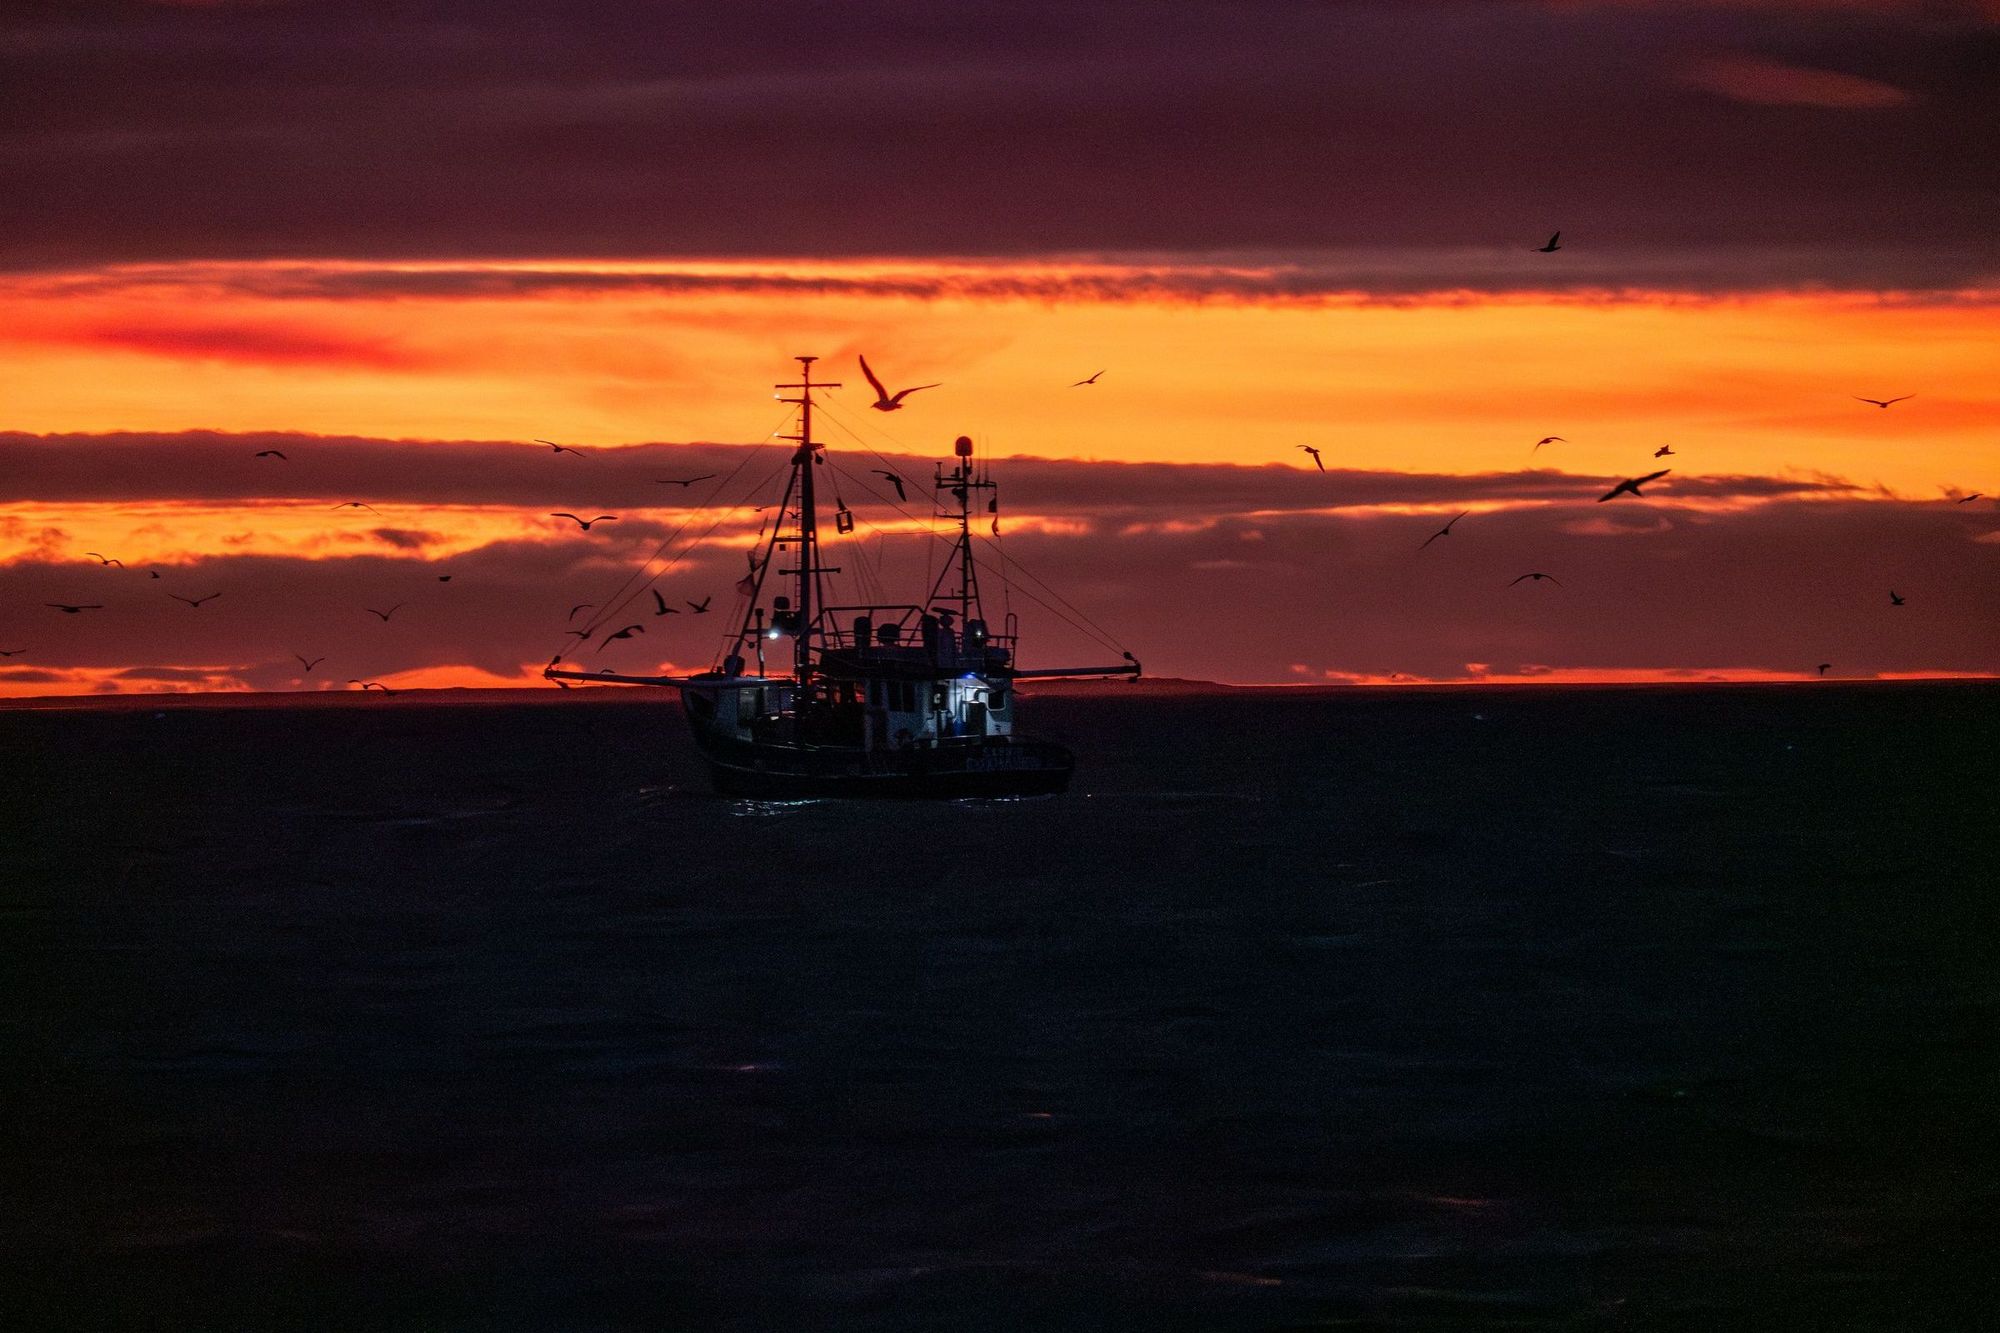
[(1748, 384), (1201, 366)]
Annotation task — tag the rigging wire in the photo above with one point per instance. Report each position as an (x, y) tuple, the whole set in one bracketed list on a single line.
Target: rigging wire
[(639, 580), (1097, 632), (1088, 628)]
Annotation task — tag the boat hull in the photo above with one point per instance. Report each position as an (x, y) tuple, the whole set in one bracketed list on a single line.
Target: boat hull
[(1000, 768)]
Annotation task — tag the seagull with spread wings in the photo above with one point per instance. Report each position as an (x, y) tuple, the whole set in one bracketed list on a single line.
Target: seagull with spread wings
[(194, 602), (1444, 531), (1315, 456), (1882, 402), (585, 523), (1631, 485), (1555, 244), (884, 400)]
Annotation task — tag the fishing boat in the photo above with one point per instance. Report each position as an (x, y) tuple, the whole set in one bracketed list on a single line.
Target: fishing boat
[(914, 699)]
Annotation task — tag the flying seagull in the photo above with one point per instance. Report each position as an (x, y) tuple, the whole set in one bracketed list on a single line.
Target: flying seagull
[(883, 401), (701, 607), (309, 665), (1968, 499), (1315, 456), (367, 685), (579, 634), (152, 573), (563, 448), (1444, 531), (272, 453), (444, 578), (676, 481), (69, 610), (1825, 667), (585, 523), (1538, 578), (385, 614), (1548, 439), (194, 601), (1881, 402), (12, 652), (1631, 485), (1080, 383), (1894, 600), (1555, 244), (356, 504), (894, 480), (625, 633), (580, 606), (105, 559), (661, 602), (1664, 451)]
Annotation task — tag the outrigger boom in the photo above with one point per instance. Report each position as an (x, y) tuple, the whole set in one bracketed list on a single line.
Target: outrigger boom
[(911, 699)]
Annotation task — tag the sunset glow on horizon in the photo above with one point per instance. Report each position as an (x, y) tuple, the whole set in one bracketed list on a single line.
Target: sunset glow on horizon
[(401, 279)]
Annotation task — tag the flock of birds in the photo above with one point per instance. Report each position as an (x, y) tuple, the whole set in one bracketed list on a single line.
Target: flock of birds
[(885, 401)]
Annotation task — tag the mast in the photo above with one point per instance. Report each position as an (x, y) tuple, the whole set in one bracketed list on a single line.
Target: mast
[(962, 481), (808, 570)]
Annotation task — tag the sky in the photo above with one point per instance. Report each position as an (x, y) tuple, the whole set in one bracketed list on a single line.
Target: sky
[(398, 242)]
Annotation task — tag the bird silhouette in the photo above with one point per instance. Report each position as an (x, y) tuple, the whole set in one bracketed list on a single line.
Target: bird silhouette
[(12, 652), (585, 523), (625, 633), (105, 559), (563, 448), (444, 578), (194, 601), (676, 481), (1664, 451), (309, 665), (70, 610), (1444, 531), (1080, 383), (661, 602), (152, 573), (1548, 439), (367, 685), (579, 634), (1555, 244), (1631, 485), (580, 606), (385, 614), (1881, 402), (1968, 499), (884, 402), (1538, 578), (701, 607), (1315, 456), (893, 480), (1825, 667), (272, 453), (1894, 599), (356, 504)]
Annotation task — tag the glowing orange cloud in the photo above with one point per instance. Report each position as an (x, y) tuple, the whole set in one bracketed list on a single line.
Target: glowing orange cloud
[(1753, 385)]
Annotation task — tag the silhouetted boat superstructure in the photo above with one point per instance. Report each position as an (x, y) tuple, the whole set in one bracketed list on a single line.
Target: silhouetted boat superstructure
[(883, 699)]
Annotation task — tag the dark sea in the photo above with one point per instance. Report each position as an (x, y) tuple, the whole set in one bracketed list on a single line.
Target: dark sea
[(1477, 1008)]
